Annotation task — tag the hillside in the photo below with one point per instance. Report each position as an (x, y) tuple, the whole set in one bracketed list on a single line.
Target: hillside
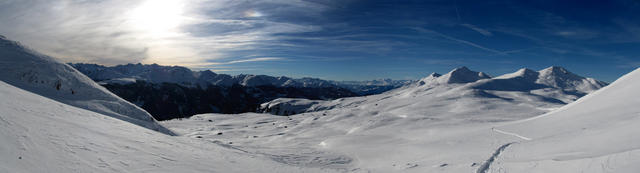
[(43, 135), (46, 76), (597, 133)]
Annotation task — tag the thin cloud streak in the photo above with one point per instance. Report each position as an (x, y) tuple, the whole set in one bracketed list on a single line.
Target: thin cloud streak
[(209, 64), (477, 29), (459, 40)]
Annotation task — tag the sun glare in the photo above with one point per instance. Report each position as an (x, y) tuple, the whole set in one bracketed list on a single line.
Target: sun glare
[(158, 17)]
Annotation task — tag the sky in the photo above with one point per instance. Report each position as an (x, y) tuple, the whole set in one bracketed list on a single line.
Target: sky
[(335, 39)]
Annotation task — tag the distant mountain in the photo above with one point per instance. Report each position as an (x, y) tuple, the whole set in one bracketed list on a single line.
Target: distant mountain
[(526, 90), (169, 100), (43, 75), (553, 82), (373, 86), (154, 73)]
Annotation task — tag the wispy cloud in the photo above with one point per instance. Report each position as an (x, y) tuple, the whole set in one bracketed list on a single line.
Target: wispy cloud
[(209, 64), (478, 29), (465, 42)]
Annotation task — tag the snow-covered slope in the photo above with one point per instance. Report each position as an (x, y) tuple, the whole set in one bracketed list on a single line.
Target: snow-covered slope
[(527, 91), (43, 75), (597, 133), (38, 134)]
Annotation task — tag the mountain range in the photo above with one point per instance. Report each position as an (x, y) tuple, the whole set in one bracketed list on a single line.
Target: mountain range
[(154, 73), (548, 88)]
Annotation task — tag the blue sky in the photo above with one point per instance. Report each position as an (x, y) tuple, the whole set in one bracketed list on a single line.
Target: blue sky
[(340, 39)]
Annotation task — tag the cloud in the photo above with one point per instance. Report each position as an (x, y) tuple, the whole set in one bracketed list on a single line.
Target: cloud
[(581, 34), (255, 60), (129, 31), (259, 59), (477, 29), (459, 40)]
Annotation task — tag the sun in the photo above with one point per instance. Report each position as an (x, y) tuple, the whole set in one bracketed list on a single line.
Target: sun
[(158, 17)]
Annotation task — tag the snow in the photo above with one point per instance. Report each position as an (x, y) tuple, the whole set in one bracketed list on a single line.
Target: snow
[(48, 77), (42, 135), (462, 75)]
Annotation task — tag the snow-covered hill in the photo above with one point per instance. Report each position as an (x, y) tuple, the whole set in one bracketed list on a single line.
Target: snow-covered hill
[(43, 135), (43, 75), (527, 91), (597, 133)]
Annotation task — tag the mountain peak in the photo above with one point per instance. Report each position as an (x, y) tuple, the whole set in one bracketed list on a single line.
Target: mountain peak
[(434, 75), (562, 78), (558, 72), (555, 70), (463, 75), (522, 73)]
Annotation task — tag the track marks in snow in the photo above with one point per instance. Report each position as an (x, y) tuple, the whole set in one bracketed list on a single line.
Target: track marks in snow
[(485, 167), (511, 134)]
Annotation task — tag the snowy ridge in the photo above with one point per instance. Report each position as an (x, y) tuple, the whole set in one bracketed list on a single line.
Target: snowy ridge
[(523, 88), (41, 74), (462, 75)]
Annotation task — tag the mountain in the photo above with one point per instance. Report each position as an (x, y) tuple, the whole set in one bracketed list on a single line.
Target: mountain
[(553, 82), (43, 75), (169, 100), (461, 75), (372, 86), (181, 75), (546, 89)]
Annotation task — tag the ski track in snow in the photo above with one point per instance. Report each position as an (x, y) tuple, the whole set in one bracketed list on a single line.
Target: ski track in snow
[(485, 167), (511, 134)]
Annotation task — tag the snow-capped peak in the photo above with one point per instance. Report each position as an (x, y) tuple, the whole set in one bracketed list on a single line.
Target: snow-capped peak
[(462, 75), (562, 78), (521, 73)]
